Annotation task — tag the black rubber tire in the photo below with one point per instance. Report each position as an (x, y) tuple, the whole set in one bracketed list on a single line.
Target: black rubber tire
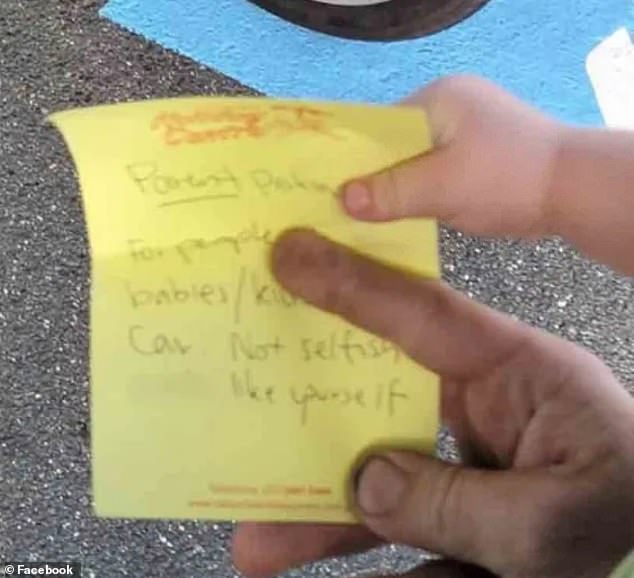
[(394, 20)]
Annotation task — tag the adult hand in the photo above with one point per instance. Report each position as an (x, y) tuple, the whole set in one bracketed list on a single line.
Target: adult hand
[(546, 430), (514, 397)]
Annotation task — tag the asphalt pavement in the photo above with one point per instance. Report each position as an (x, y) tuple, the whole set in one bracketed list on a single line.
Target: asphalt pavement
[(56, 54)]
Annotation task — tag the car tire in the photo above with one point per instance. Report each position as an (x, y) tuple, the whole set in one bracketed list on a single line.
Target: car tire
[(390, 20)]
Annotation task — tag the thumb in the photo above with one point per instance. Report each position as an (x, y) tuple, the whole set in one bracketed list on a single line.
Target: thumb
[(428, 185), (460, 512), (489, 172), (425, 186)]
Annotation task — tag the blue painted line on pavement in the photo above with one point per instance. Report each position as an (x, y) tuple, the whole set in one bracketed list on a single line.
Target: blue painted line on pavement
[(536, 49)]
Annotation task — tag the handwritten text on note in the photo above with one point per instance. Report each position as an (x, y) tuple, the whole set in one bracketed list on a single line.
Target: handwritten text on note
[(215, 393)]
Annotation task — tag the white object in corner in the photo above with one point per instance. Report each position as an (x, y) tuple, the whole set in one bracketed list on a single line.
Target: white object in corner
[(610, 66)]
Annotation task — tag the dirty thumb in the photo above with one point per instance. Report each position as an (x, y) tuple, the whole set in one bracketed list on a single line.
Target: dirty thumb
[(408, 498)]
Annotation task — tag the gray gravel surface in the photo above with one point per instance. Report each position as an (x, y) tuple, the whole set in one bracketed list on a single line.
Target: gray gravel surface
[(56, 54)]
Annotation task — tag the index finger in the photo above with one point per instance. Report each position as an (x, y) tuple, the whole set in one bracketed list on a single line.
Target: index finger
[(434, 324)]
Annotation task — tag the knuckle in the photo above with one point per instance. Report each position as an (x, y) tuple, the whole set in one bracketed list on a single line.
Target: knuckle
[(443, 503), (430, 307), (398, 187), (447, 516), (386, 192)]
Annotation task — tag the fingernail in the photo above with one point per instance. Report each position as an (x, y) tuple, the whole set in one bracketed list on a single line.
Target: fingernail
[(380, 487), (356, 198)]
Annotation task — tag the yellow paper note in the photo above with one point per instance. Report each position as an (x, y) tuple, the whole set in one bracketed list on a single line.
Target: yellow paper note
[(214, 393)]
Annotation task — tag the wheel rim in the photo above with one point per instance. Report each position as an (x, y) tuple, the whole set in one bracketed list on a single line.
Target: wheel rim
[(387, 20)]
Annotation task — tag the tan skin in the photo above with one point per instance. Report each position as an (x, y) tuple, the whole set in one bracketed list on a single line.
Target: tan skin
[(546, 431)]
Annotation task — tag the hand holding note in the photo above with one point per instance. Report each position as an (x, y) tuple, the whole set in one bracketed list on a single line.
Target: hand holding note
[(215, 393), (218, 391), (545, 430)]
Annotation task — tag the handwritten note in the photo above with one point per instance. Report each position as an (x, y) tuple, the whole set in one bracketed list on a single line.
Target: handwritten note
[(216, 394)]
